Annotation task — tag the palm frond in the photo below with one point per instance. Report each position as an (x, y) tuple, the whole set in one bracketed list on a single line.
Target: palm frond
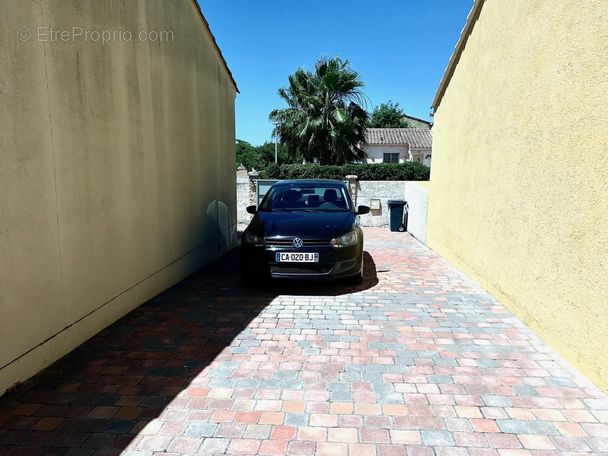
[(325, 116)]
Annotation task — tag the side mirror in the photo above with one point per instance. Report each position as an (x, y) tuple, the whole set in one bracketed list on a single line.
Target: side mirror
[(362, 210), (251, 209)]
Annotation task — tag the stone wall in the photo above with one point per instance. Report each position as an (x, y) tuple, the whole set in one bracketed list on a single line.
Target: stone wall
[(415, 193)]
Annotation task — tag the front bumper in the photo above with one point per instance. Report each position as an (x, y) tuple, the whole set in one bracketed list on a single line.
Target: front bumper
[(334, 263)]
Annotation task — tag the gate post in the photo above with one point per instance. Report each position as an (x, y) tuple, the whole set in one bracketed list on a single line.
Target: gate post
[(352, 187), (253, 187)]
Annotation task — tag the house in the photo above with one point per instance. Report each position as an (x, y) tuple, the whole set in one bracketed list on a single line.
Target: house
[(519, 184), (117, 169), (415, 122), (398, 145)]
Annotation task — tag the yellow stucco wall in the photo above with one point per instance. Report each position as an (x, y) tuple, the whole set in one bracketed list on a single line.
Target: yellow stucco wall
[(117, 169), (519, 182)]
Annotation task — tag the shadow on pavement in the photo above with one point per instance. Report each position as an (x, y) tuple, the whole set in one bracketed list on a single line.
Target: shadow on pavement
[(100, 396), (337, 288)]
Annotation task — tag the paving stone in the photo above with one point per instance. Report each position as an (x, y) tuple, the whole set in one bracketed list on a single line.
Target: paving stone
[(214, 446), (296, 419), (416, 361), (514, 426), (437, 438), (523, 390), (496, 401), (457, 424), (257, 431), (201, 429)]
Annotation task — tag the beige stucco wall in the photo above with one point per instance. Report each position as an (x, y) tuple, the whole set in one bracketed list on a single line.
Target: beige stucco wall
[(117, 169), (519, 183)]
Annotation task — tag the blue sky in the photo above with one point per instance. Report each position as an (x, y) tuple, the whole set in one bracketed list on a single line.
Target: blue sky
[(400, 48)]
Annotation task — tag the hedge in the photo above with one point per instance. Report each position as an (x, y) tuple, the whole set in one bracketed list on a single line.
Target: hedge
[(411, 171)]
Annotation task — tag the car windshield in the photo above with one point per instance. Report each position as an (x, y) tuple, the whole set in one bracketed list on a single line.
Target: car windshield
[(321, 197)]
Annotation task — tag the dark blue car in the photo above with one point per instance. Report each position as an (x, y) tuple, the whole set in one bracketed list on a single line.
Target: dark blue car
[(304, 229)]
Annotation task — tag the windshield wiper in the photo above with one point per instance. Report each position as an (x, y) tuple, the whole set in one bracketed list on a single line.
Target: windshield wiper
[(294, 210)]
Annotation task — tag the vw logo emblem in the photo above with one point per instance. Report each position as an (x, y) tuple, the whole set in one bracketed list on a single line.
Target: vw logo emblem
[(297, 243)]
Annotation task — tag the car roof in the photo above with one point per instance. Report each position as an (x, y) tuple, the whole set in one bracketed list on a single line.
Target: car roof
[(309, 181)]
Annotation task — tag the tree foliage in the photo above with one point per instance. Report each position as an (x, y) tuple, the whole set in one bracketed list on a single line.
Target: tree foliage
[(388, 115), (259, 157), (247, 155), (324, 120)]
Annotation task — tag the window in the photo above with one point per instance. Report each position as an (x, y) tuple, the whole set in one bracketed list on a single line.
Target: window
[(391, 158), (294, 197)]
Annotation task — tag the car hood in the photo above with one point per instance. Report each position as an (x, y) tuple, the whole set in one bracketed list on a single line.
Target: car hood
[(311, 225)]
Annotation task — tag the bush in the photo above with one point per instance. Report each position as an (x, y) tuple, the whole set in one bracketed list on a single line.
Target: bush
[(412, 171)]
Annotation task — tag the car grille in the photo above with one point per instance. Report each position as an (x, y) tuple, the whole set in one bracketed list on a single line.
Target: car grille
[(301, 269), (288, 242)]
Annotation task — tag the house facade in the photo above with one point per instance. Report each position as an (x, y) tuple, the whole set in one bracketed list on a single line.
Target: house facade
[(519, 184), (399, 145), (415, 122), (117, 175)]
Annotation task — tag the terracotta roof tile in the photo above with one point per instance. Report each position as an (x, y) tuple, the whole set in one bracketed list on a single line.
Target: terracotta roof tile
[(415, 137)]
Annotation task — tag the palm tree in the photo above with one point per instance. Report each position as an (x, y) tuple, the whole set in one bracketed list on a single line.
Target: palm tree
[(324, 120)]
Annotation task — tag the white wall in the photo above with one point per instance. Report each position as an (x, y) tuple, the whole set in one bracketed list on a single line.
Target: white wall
[(375, 153), (415, 193), (423, 156), (417, 196)]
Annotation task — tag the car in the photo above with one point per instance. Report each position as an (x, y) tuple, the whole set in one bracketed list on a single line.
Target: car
[(304, 229)]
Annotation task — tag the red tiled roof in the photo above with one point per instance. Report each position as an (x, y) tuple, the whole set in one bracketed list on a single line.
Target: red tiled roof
[(415, 137)]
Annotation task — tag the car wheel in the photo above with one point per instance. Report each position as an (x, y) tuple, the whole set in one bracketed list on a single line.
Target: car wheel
[(357, 279)]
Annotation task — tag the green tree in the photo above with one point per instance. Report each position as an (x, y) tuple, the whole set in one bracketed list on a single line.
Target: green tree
[(259, 157), (266, 151), (324, 120), (388, 115), (247, 155)]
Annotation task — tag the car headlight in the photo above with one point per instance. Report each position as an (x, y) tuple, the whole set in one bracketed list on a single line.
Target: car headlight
[(253, 239), (345, 241)]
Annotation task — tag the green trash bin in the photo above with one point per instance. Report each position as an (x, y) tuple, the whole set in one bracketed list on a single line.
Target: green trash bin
[(398, 214)]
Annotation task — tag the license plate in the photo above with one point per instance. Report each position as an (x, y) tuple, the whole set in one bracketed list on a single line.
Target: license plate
[(295, 257)]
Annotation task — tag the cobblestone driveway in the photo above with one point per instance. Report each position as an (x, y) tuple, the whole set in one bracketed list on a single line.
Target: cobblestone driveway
[(417, 361)]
